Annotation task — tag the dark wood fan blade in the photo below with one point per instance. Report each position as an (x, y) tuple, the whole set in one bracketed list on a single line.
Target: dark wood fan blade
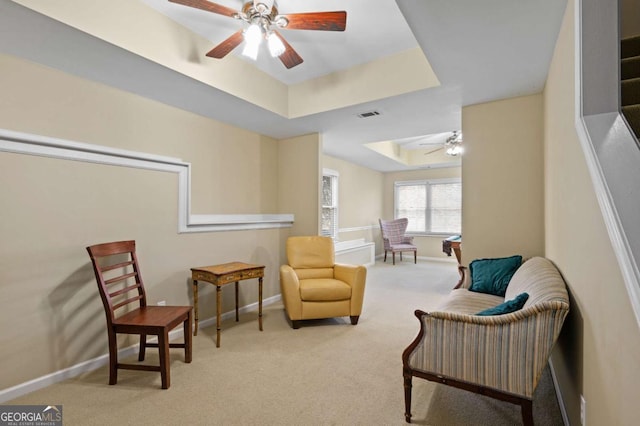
[(290, 57), (208, 6), (223, 49), (323, 21)]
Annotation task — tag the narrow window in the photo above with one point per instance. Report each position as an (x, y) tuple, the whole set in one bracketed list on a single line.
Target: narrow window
[(329, 225)]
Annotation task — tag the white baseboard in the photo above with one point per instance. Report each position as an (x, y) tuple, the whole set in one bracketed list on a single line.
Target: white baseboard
[(563, 410), (98, 362), (425, 258), (446, 259)]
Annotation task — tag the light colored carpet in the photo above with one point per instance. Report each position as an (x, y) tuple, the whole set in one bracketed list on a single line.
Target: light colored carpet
[(326, 373)]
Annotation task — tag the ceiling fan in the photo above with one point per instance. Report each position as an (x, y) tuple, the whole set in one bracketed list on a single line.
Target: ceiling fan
[(264, 21), (452, 144)]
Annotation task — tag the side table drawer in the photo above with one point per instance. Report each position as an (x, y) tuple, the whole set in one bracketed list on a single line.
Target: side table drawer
[(204, 276), (237, 276), (251, 274)]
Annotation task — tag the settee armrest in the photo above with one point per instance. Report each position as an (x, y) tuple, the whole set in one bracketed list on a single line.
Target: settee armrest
[(505, 352)]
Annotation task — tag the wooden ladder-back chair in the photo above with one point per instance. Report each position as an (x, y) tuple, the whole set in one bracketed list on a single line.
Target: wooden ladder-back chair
[(121, 289)]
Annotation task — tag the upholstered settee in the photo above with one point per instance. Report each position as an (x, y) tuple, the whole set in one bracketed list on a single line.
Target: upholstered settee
[(502, 356)]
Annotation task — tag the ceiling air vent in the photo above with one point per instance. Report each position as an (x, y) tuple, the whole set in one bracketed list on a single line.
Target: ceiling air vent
[(368, 114)]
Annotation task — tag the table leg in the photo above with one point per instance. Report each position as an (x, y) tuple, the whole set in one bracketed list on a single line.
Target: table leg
[(195, 305), (260, 302), (218, 309), (237, 318), (458, 254)]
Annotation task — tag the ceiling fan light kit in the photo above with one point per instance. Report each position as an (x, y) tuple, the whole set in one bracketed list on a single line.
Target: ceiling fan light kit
[(264, 20), (252, 36), (276, 47), (453, 144)]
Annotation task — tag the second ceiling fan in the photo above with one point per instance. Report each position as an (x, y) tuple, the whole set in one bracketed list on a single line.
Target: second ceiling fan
[(264, 22)]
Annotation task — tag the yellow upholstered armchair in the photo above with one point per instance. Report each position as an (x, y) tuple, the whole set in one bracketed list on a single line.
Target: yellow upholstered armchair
[(314, 286)]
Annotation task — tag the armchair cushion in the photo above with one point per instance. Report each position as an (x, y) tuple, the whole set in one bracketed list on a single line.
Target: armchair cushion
[(492, 276), (324, 289)]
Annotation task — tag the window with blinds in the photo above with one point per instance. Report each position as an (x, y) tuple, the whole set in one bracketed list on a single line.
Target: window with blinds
[(432, 206), (329, 226)]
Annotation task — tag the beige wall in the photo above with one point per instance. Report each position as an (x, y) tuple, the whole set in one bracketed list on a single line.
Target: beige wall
[(599, 347), (299, 176), (360, 200), (403, 72), (502, 179), (50, 313), (428, 246)]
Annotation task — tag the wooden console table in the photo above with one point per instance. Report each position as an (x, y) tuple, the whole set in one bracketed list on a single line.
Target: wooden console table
[(453, 243), (220, 275)]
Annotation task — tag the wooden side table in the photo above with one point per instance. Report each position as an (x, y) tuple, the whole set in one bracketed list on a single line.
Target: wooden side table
[(220, 275), (453, 243)]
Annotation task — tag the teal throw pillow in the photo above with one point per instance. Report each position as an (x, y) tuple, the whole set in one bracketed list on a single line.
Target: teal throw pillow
[(507, 307), (492, 276)]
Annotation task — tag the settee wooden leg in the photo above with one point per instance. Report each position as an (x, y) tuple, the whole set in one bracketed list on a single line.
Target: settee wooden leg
[(407, 397), (527, 412), (295, 324), (354, 319)]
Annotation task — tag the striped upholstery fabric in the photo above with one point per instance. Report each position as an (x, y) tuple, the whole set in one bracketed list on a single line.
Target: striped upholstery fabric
[(505, 352), (538, 277), (464, 301)]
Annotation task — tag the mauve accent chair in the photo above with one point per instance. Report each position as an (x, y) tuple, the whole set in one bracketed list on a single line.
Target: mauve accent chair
[(395, 240)]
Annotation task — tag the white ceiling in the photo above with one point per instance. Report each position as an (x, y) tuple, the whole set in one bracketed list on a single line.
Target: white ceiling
[(479, 50)]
